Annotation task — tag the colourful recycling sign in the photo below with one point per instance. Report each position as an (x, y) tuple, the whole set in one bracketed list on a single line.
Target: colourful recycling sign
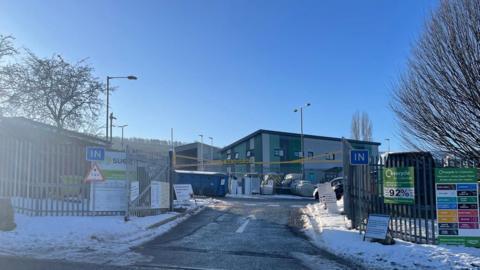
[(457, 206), (399, 185)]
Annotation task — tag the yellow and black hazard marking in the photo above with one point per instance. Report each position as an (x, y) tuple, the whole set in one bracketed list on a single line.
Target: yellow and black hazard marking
[(209, 162)]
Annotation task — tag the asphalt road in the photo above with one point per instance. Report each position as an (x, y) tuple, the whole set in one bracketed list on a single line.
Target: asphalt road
[(239, 234), (233, 234)]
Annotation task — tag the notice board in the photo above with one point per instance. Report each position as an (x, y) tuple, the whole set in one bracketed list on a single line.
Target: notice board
[(111, 194), (457, 206), (399, 185)]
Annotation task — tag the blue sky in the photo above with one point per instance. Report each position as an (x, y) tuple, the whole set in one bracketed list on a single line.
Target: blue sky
[(227, 68)]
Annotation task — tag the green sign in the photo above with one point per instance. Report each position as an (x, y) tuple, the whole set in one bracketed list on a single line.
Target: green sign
[(457, 206), (399, 185)]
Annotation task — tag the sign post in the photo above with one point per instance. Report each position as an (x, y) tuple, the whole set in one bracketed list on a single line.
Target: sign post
[(358, 157), (95, 153), (457, 206), (399, 185), (94, 174)]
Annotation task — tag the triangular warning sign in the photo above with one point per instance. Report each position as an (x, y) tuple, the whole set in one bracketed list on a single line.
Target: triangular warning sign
[(94, 174)]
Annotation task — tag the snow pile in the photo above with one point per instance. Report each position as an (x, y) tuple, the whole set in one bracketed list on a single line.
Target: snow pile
[(102, 240), (330, 233)]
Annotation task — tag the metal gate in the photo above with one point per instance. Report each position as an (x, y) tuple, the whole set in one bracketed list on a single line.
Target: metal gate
[(148, 178), (364, 195)]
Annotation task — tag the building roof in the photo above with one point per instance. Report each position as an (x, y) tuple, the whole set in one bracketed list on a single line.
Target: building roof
[(260, 131), (23, 127), (193, 145)]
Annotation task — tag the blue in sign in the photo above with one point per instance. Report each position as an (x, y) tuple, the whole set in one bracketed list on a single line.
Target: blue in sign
[(95, 153), (359, 157)]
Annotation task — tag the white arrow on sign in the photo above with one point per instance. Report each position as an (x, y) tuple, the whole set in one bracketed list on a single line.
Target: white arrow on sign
[(94, 174)]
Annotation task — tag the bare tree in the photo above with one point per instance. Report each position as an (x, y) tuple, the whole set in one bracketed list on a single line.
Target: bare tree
[(366, 129), (361, 127), (51, 90), (437, 99), (6, 46), (355, 126)]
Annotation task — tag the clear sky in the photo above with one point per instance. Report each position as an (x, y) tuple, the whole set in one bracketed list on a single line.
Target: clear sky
[(227, 68)]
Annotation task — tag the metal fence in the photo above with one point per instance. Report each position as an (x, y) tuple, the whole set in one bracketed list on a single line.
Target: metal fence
[(364, 195), (44, 179)]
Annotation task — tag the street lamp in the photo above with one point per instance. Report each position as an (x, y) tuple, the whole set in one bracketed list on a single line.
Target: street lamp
[(211, 148), (111, 125), (201, 152), (122, 127), (301, 136), (130, 77), (388, 140)]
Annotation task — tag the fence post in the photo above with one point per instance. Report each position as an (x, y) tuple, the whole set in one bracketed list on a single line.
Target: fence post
[(170, 179), (127, 174)]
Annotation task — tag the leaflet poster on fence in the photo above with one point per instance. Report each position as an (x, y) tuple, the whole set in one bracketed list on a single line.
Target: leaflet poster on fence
[(111, 194), (399, 185), (457, 206)]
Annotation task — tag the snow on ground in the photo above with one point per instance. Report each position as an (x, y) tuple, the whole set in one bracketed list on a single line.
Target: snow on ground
[(100, 239), (329, 231)]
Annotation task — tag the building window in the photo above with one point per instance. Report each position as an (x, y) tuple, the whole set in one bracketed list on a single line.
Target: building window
[(237, 156), (310, 154), (229, 156), (278, 152), (297, 154), (330, 156), (249, 153)]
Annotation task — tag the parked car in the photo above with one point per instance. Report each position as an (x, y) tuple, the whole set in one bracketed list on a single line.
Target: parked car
[(337, 186), (302, 188)]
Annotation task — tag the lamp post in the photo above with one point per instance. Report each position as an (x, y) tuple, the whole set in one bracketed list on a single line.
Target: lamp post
[(111, 125), (122, 127), (211, 148), (388, 141), (131, 77), (301, 136), (201, 152)]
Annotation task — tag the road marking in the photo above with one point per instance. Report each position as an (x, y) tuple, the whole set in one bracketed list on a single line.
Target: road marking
[(244, 225), (273, 205), (296, 206), (250, 204)]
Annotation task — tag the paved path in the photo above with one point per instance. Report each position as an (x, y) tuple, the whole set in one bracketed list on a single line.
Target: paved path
[(239, 234), (233, 234)]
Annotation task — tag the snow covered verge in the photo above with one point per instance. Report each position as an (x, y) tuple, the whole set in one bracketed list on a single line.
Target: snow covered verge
[(329, 232), (101, 239)]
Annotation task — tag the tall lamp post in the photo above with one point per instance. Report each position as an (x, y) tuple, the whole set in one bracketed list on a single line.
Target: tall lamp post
[(131, 77), (122, 127), (211, 148), (388, 141), (201, 152), (301, 136)]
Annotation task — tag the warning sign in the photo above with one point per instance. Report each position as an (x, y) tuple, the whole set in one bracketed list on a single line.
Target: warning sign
[(94, 174)]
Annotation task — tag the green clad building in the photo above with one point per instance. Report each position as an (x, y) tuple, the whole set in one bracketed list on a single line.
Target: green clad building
[(266, 151)]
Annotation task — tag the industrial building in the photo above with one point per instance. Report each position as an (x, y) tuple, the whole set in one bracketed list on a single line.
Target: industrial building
[(266, 151), (198, 157)]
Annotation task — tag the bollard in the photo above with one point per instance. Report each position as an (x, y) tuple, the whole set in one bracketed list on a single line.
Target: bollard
[(7, 216)]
